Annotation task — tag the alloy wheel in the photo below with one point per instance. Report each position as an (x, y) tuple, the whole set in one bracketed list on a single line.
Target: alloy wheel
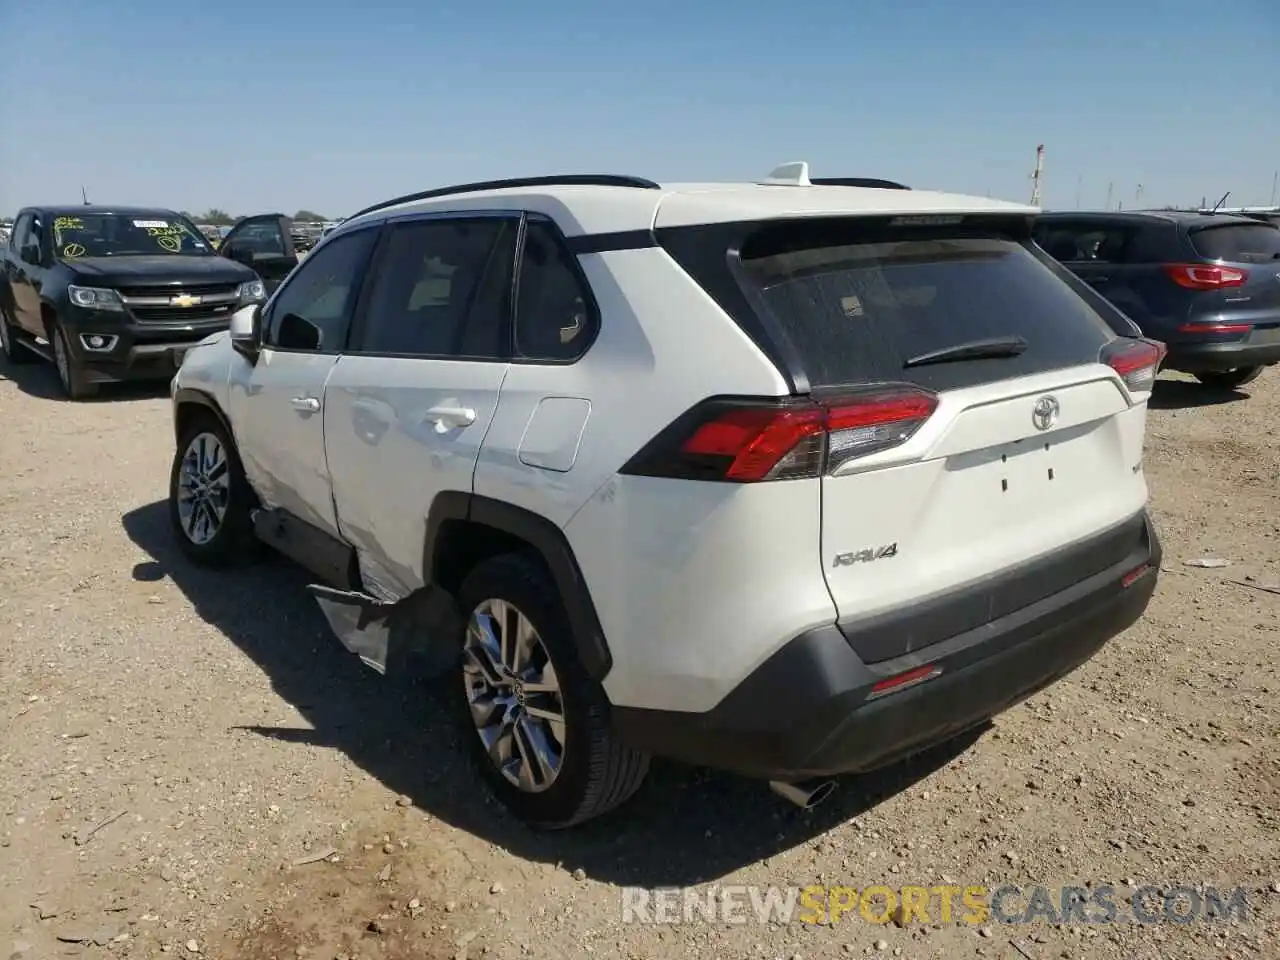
[(61, 360), (514, 696), (204, 488)]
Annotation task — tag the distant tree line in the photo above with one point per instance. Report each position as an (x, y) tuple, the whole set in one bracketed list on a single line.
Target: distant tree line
[(220, 218)]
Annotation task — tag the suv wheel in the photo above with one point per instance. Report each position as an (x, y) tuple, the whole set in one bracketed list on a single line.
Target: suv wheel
[(209, 497), (74, 382), (13, 351), (1229, 379), (539, 724)]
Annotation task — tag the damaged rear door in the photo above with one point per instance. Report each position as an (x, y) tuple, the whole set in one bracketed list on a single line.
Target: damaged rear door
[(407, 408)]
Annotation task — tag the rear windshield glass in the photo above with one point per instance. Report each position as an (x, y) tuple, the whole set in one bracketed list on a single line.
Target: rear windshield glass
[(859, 311), (1238, 243)]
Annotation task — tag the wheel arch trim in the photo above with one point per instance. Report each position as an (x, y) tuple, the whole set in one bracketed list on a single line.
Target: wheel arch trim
[(548, 540), (187, 396)]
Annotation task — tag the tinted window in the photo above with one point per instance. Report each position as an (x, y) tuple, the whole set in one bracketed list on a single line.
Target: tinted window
[(1238, 243), (442, 289), (313, 309), (1082, 242), (554, 317), (857, 309), (21, 232), (258, 238)]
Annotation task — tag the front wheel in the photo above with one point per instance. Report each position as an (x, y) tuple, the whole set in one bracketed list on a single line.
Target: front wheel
[(209, 497), (538, 723), (1229, 379), (75, 383)]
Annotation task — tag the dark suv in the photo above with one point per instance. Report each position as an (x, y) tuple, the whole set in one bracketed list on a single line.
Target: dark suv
[(1207, 285)]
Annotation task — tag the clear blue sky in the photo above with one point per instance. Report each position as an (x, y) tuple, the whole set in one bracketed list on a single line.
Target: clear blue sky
[(280, 104)]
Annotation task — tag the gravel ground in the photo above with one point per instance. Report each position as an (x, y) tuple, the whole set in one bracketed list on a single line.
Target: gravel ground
[(174, 745)]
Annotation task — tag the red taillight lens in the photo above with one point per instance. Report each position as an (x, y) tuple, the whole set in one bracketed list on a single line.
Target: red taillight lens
[(904, 680), (1137, 362), (1200, 276), (747, 441), (1209, 327)]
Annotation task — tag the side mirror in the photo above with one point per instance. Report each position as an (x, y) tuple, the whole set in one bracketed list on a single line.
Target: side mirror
[(246, 330), (298, 333), (30, 253)]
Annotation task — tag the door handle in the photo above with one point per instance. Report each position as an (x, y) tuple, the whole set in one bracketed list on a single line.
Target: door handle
[(452, 416), (305, 404)]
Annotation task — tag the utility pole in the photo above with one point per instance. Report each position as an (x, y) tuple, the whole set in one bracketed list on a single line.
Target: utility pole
[(1079, 187), (1037, 175), (1275, 182), (1137, 197), (1110, 189)]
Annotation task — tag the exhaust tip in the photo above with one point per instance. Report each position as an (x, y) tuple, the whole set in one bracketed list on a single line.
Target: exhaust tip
[(806, 796)]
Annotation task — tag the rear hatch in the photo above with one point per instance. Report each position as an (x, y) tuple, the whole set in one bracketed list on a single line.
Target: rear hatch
[(982, 455), (1238, 285)]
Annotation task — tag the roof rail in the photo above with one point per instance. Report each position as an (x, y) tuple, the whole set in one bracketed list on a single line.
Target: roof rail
[(872, 183), (555, 180)]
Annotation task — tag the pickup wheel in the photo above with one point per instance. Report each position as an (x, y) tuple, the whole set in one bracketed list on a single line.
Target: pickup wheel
[(538, 725), (14, 351), (1229, 379), (209, 497), (75, 384)]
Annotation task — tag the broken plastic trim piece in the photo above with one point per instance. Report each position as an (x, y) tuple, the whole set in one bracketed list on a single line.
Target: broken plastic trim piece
[(422, 626)]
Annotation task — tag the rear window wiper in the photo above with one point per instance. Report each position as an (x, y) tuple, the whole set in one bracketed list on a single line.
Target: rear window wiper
[(990, 348)]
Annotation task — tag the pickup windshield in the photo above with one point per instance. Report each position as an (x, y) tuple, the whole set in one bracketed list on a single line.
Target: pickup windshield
[(126, 235)]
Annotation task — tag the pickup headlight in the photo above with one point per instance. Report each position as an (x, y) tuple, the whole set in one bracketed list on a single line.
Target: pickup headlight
[(252, 292), (94, 298)]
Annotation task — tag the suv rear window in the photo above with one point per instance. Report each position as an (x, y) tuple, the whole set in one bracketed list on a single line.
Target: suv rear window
[(858, 306), (1237, 242)]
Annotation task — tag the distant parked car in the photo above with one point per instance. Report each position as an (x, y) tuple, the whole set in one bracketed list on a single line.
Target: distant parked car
[(265, 243), (1207, 285)]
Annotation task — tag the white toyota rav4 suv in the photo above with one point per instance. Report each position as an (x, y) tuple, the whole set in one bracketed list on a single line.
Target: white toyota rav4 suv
[(790, 478)]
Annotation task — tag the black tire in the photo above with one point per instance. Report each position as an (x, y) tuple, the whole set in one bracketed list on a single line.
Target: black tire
[(597, 773), (14, 350), (234, 543), (1229, 379), (75, 382)]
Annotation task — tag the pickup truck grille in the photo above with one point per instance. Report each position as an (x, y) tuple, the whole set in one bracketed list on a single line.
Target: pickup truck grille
[(192, 303)]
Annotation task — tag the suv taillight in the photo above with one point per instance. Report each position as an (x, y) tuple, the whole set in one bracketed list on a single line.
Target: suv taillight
[(1137, 362), (750, 440), (1200, 276)]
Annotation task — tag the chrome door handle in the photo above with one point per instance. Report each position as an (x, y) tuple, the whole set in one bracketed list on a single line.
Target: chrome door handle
[(305, 404), (452, 416)]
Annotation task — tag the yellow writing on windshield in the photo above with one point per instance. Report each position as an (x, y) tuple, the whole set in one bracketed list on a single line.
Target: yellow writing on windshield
[(61, 224), (73, 250)]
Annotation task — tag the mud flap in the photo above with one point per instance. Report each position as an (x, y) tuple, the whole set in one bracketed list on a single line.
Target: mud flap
[(421, 631)]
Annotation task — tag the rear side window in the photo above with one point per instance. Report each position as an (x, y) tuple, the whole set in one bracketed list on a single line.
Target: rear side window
[(859, 308), (554, 316), (1237, 243)]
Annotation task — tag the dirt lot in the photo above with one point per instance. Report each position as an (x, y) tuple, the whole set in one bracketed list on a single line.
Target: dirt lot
[(173, 744)]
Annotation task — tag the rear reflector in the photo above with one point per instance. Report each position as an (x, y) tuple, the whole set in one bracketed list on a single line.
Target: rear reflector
[(1200, 276), (904, 680), (1137, 362), (787, 438), (1210, 328), (1133, 576)]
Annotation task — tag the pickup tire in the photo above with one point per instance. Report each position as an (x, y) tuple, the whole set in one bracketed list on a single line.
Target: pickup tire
[(593, 772), (1229, 379), (11, 346), (75, 383), (207, 473)]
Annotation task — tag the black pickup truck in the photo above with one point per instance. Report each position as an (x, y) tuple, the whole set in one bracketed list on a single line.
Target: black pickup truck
[(113, 293)]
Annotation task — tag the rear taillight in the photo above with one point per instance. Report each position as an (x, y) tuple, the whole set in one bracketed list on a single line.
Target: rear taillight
[(1209, 327), (1137, 362), (750, 440), (1200, 276)]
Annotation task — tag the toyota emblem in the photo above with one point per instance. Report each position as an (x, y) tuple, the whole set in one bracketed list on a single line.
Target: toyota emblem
[(1045, 413)]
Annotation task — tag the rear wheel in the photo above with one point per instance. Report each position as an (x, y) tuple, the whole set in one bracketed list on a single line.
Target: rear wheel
[(13, 351), (75, 384), (1229, 379), (538, 724)]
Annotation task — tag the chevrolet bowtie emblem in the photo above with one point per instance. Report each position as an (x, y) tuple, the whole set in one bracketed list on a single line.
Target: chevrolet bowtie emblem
[(183, 300)]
